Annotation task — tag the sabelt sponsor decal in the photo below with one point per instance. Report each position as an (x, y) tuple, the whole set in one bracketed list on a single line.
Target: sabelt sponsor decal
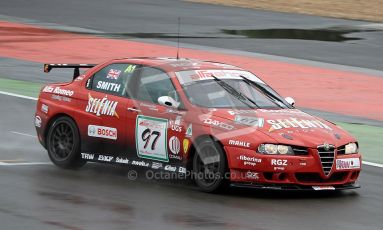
[(296, 123), (349, 163), (102, 106), (102, 132)]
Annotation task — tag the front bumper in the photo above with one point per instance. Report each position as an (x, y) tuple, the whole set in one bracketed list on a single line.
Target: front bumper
[(287, 172), (294, 187)]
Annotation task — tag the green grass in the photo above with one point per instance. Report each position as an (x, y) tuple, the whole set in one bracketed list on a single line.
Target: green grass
[(20, 87)]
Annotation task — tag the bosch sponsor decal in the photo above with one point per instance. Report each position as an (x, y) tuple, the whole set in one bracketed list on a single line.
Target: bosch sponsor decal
[(216, 123), (249, 161), (109, 86), (296, 123), (102, 132), (249, 121), (239, 143), (38, 121), (44, 108), (101, 106), (151, 138), (113, 74), (349, 163), (58, 90)]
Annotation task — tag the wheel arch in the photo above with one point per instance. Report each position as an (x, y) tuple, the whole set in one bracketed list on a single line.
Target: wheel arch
[(52, 120)]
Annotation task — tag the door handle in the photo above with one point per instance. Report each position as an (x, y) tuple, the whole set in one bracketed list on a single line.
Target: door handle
[(134, 110)]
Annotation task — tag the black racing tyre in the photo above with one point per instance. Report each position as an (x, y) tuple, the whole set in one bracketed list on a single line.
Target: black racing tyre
[(63, 144), (210, 166)]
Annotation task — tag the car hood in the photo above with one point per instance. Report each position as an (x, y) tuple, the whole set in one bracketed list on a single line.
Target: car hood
[(288, 126)]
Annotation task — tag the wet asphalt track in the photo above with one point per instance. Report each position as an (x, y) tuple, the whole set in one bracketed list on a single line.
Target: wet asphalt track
[(102, 197)]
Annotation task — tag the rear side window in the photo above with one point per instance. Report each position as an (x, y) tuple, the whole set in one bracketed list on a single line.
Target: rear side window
[(113, 78)]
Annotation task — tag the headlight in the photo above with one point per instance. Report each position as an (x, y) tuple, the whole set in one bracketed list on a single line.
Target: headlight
[(275, 149), (351, 148)]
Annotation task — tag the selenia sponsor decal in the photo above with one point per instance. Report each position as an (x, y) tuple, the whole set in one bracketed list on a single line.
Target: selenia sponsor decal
[(296, 123), (102, 132), (349, 163), (151, 138), (101, 106)]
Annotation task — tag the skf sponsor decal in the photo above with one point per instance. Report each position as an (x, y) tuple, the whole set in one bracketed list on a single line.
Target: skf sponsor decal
[(113, 74), (239, 143), (105, 158), (102, 132), (252, 175), (44, 108), (38, 121), (216, 123), (185, 144), (58, 90), (101, 106), (350, 163), (249, 121), (296, 123), (109, 86)]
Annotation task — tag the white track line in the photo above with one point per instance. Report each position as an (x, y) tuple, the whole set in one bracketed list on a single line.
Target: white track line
[(23, 134), (35, 99), (18, 95), (24, 163)]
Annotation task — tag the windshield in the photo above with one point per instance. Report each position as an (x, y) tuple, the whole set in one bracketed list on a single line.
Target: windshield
[(228, 89)]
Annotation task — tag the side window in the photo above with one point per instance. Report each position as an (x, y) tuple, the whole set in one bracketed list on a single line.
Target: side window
[(154, 83), (113, 78)]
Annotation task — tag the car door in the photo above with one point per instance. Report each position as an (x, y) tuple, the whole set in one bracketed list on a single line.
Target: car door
[(104, 110), (158, 130)]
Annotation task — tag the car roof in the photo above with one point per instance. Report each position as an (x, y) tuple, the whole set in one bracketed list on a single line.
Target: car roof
[(174, 65)]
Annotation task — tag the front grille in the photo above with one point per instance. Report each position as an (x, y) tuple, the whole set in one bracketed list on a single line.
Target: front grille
[(326, 156), (316, 178), (300, 150)]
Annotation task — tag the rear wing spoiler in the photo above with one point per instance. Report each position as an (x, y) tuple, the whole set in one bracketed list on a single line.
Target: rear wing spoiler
[(76, 67)]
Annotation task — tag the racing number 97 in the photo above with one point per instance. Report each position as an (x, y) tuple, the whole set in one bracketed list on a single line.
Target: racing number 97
[(147, 136)]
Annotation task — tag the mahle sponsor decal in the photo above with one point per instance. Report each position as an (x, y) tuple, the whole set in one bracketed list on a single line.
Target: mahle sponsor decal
[(102, 132), (239, 143), (101, 106), (296, 123)]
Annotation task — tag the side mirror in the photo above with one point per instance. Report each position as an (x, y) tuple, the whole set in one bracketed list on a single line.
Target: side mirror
[(290, 100), (168, 101)]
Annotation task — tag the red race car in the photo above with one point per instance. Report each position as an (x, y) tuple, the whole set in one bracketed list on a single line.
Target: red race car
[(217, 123)]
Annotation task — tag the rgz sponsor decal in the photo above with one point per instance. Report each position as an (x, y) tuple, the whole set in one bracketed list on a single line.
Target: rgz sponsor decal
[(278, 162), (102, 106), (102, 132)]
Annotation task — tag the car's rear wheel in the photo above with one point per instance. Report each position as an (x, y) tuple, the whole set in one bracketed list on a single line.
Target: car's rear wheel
[(210, 166), (63, 144)]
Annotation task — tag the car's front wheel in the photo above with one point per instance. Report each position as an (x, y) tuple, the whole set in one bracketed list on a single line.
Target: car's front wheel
[(63, 144), (210, 166)]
